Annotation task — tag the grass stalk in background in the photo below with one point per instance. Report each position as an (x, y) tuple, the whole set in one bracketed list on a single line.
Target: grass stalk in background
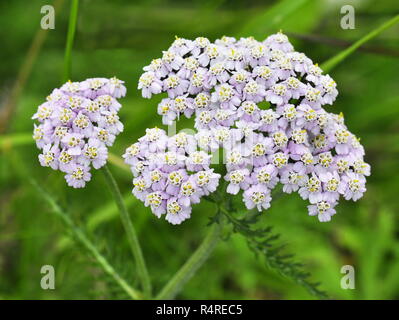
[(83, 240), (24, 72), (334, 61), (130, 232), (73, 17), (127, 224), (191, 266)]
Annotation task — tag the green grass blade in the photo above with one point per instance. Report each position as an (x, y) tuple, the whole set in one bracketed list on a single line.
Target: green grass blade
[(14, 140), (130, 233), (82, 239), (73, 17), (334, 61)]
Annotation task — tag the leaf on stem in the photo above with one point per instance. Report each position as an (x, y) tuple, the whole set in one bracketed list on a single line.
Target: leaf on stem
[(82, 239), (262, 241)]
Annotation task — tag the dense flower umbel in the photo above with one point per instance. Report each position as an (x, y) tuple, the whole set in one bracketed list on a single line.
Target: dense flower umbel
[(76, 124), (262, 102), (170, 173)]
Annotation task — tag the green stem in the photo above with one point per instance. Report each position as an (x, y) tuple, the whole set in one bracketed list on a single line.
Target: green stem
[(73, 17), (227, 213), (82, 238), (130, 232), (332, 62), (192, 264)]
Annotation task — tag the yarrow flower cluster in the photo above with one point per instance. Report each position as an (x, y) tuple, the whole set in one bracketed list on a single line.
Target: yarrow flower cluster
[(76, 125), (262, 102), (170, 173)]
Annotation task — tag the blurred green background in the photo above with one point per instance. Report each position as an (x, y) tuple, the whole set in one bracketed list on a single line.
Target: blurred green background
[(118, 38)]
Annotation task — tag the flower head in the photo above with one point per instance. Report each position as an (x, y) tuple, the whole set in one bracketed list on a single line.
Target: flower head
[(172, 176), (260, 101), (76, 124)]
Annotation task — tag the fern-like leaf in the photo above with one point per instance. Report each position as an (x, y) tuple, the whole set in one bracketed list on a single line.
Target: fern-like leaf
[(263, 242)]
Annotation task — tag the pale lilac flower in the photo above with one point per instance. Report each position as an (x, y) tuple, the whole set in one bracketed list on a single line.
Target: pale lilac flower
[(157, 68), (261, 102), (227, 97), (293, 176), (184, 142), (217, 73), (200, 44), (206, 141), (312, 189), (172, 60), (189, 67), (77, 123), (278, 94), (78, 176), (149, 84), (49, 156), (265, 75), (257, 54), (208, 180), (103, 135), (211, 52), (167, 111), (268, 120), (74, 142), (279, 41), (254, 91), (235, 58), (239, 79), (95, 152), (115, 88), (361, 167), (176, 213), (324, 209), (156, 201), (184, 105), (198, 160), (299, 61), (353, 186), (182, 46), (39, 136), (190, 192), (155, 139), (257, 197), (92, 88), (175, 86), (170, 175), (329, 86), (296, 87), (313, 97), (238, 180), (198, 79), (331, 185), (266, 175), (314, 74), (259, 147)]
